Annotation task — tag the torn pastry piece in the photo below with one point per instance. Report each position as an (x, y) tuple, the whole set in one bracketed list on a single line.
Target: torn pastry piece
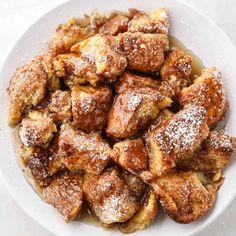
[(36, 130), (144, 216), (131, 155), (109, 197), (133, 110), (82, 151), (162, 117), (67, 35), (201, 93), (155, 22), (145, 52), (26, 89), (177, 139), (129, 81), (59, 107), (175, 73), (135, 184), (90, 107), (105, 52), (65, 193), (214, 154), (186, 196), (75, 70), (115, 25), (43, 164)]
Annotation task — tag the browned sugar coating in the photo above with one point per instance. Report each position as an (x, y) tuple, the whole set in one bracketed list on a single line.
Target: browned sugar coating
[(175, 73), (183, 197), (133, 110), (176, 139), (105, 52), (207, 91), (214, 154), (81, 151), (145, 52), (75, 70), (90, 107), (129, 81), (59, 107), (131, 155), (109, 197), (155, 22), (66, 194), (115, 25), (67, 35)]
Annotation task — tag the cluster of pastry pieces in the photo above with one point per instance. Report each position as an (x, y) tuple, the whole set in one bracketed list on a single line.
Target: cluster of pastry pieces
[(111, 119)]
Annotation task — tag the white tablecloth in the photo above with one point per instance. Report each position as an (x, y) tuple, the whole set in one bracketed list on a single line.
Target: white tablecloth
[(15, 17)]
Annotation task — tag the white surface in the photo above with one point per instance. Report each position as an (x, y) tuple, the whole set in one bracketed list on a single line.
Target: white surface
[(14, 18)]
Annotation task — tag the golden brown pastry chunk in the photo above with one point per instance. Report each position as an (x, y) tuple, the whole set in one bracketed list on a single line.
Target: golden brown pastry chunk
[(201, 93), (175, 73), (133, 110), (163, 116), (130, 81), (81, 151), (109, 197), (60, 106), (131, 155), (155, 22), (106, 52), (66, 194), (26, 89), (186, 196), (90, 107), (67, 35), (115, 25), (214, 154), (145, 52), (36, 130), (135, 184), (144, 216), (177, 139), (75, 70), (43, 164)]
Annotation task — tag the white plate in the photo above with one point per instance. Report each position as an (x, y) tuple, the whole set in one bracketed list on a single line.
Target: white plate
[(196, 31)]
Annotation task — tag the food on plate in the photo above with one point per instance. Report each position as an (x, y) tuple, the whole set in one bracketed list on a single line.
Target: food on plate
[(113, 119)]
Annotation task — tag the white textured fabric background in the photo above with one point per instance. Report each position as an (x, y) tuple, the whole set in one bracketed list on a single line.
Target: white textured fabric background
[(15, 17)]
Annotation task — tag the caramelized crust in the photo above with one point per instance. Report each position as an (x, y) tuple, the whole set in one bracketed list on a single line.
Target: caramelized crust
[(106, 52), (133, 110), (115, 25), (175, 73), (201, 93), (144, 216), (177, 139), (43, 165), (184, 196), (130, 81), (66, 36), (26, 89), (59, 107), (75, 70), (36, 130), (65, 193), (214, 154), (131, 155), (81, 151), (162, 117), (135, 184), (90, 107), (109, 197), (145, 52), (156, 22)]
